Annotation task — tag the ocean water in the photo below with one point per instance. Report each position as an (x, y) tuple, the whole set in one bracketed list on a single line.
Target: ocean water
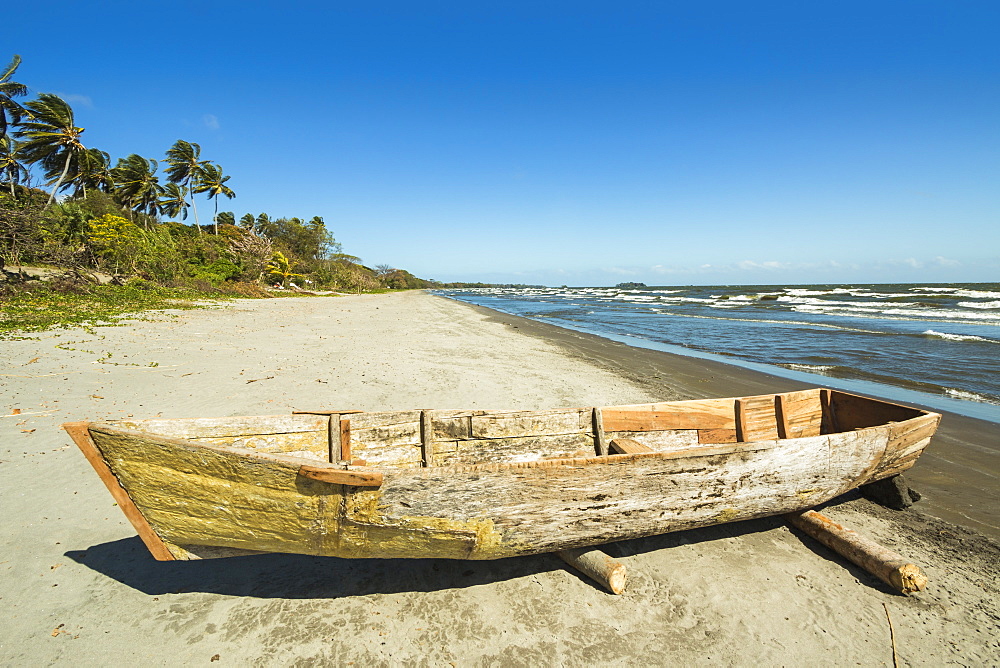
[(941, 342)]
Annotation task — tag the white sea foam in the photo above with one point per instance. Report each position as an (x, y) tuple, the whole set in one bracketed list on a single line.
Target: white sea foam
[(948, 315), (980, 294), (877, 295), (811, 368), (897, 313), (958, 337), (959, 292), (965, 395), (804, 292), (856, 306), (981, 305), (688, 300)]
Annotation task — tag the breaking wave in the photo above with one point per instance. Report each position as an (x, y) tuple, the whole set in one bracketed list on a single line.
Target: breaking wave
[(958, 337)]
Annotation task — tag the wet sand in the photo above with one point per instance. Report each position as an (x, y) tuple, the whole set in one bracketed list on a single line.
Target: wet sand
[(78, 586)]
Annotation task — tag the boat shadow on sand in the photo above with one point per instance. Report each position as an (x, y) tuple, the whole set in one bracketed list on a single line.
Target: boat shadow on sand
[(306, 577)]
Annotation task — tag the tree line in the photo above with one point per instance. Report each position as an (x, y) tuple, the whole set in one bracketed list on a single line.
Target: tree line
[(121, 218)]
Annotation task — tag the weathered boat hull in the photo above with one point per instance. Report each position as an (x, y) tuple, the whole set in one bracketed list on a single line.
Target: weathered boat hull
[(487, 485)]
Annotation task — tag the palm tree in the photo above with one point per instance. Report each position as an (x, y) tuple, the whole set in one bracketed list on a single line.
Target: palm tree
[(10, 111), (137, 185), (50, 137), (262, 225), (184, 163), (91, 168), (173, 202), (212, 181), (11, 168), (281, 267)]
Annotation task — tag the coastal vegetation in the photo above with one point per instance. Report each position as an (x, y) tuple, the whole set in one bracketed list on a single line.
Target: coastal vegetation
[(69, 208)]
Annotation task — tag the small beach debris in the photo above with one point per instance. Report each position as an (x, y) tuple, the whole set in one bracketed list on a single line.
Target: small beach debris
[(16, 411), (883, 563)]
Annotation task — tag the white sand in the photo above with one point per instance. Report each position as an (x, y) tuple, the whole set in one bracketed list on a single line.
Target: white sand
[(77, 586)]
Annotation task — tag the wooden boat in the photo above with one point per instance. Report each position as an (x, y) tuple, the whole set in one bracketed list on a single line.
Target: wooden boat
[(489, 484)]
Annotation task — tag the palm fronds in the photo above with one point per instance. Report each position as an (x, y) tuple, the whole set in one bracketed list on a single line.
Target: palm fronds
[(137, 185), (10, 111), (50, 138)]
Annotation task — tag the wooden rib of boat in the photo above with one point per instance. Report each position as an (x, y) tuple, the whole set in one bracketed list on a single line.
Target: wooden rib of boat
[(490, 484)]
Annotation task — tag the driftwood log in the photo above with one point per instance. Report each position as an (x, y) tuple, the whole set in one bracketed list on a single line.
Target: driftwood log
[(598, 566), (883, 563)]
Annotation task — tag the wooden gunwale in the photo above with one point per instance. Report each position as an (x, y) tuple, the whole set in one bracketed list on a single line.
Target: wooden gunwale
[(108, 428), (825, 395), (493, 467), (705, 451)]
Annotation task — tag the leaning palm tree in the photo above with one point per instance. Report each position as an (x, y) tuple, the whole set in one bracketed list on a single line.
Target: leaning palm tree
[(184, 163), (137, 185), (12, 170), (90, 169), (10, 111), (213, 182), (173, 202), (50, 138)]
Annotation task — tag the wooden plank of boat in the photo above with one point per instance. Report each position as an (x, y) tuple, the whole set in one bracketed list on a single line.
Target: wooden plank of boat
[(490, 484), (698, 414), (628, 446), (337, 476)]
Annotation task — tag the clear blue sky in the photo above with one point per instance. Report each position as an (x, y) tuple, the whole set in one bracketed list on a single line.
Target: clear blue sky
[(575, 143)]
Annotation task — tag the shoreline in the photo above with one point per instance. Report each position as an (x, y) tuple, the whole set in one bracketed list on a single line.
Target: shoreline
[(78, 585), (957, 474), (896, 393)]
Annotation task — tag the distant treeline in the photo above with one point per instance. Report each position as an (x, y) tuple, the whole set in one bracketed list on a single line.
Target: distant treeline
[(123, 220)]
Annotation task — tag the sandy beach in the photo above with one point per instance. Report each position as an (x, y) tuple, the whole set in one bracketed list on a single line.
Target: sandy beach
[(78, 586)]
